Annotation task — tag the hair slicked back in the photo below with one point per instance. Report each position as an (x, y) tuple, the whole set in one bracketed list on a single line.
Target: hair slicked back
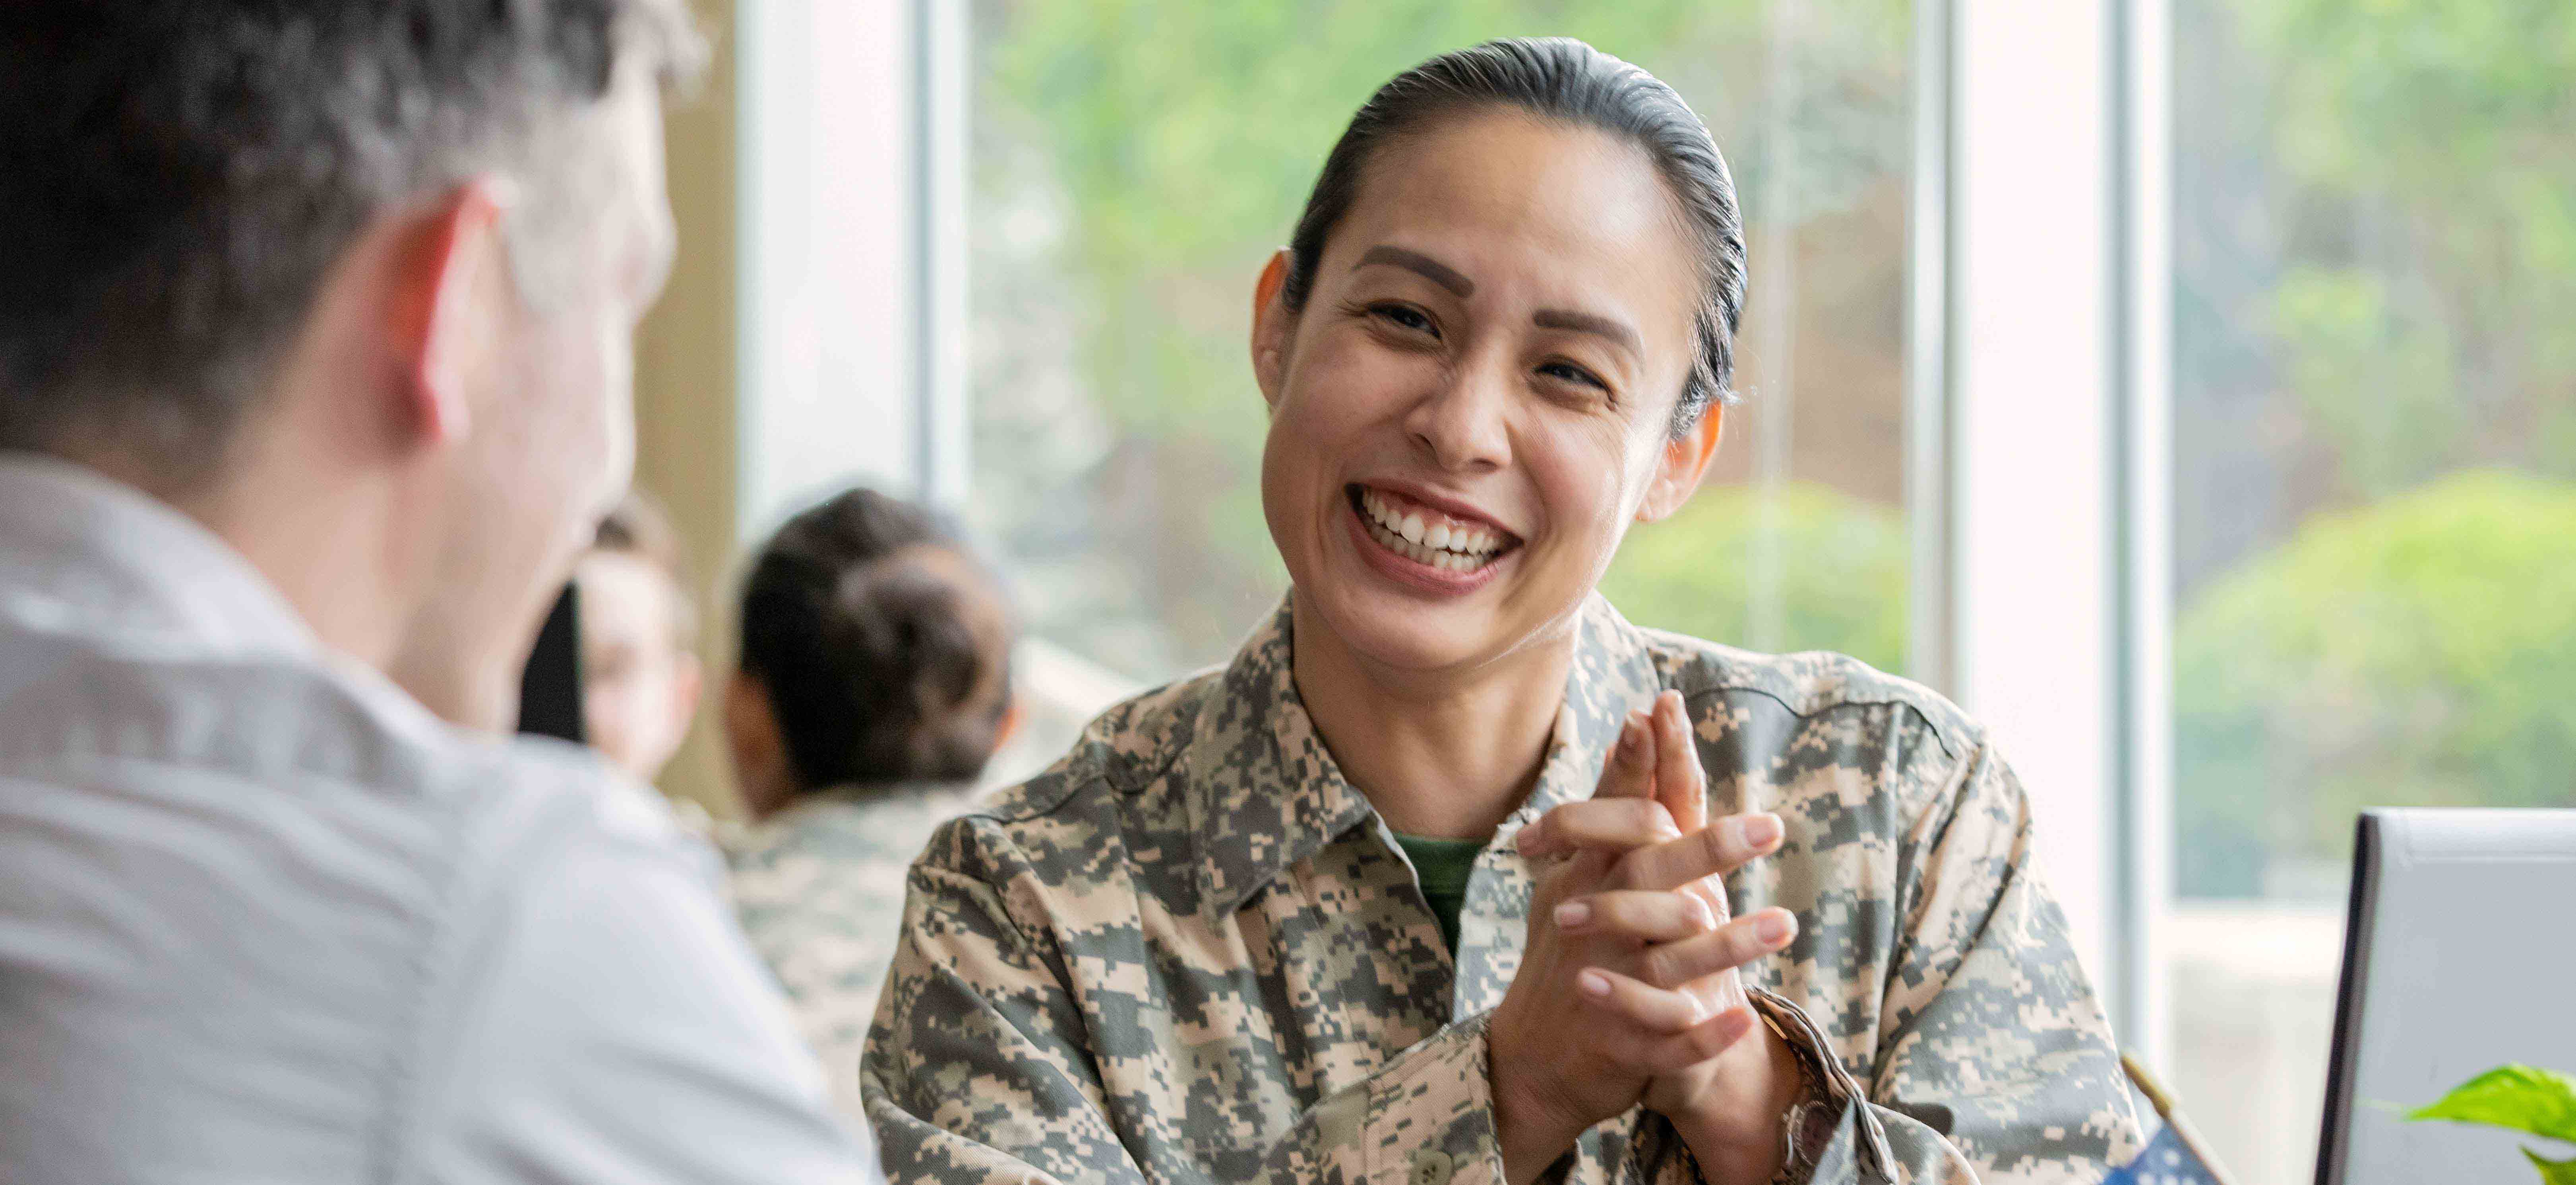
[(1565, 80)]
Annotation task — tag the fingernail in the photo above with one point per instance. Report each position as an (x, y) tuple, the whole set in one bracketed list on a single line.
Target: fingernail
[(1572, 914), (1593, 983), (1760, 830), (1735, 1026), (1773, 928)]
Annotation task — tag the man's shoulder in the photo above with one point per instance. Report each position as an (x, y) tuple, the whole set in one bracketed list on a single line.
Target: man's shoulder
[(303, 881), (309, 760)]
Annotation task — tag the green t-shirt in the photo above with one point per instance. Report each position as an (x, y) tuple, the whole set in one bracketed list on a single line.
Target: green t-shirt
[(1443, 866)]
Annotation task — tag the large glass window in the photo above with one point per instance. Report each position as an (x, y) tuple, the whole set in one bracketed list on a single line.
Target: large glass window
[(1135, 161), (2375, 484)]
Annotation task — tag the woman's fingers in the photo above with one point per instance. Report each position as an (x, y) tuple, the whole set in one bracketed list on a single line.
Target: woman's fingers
[(1630, 770), (1681, 962), (1615, 825), (1661, 1012), (1680, 784), (1637, 915), (1702, 1041), (1667, 1030), (1714, 850)]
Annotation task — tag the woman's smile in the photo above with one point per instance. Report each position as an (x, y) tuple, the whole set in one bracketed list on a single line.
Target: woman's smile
[(1432, 549)]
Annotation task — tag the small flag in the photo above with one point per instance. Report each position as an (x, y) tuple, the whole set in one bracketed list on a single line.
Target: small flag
[(2176, 1156), (2167, 1161)]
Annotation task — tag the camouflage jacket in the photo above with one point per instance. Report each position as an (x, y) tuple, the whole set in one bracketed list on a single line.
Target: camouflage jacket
[(818, 888), (1191, 952)]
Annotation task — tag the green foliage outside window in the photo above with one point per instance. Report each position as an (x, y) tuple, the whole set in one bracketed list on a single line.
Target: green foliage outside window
[(1697, 572), (2418, 652), (2383, 198)]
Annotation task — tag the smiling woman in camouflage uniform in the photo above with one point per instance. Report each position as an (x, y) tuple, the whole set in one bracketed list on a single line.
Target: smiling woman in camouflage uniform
[(1413, 890)]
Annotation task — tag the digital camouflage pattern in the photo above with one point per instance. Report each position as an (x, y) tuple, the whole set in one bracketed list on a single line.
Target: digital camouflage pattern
[(819, 890), (1191, 952)]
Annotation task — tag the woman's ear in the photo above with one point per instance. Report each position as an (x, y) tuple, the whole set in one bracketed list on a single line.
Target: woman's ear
[(1685, 462), (1271, 325)]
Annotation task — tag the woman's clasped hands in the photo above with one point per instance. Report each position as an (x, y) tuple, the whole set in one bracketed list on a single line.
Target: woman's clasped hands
[(1629, 990)]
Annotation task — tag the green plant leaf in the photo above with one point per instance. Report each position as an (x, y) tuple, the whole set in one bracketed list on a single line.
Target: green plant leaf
[(2554, 1172), (2523, 1098)]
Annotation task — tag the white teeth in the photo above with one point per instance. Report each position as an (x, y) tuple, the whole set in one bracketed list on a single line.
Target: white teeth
[(1436, 544)]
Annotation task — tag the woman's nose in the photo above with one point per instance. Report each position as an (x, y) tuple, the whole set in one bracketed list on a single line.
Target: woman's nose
[(1463, 424)]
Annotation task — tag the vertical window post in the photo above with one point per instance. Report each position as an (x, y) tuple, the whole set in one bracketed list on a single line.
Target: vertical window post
[(2034, 630)]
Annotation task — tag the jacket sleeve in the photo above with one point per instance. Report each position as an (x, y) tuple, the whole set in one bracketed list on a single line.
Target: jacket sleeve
[(1995, 1063), (981, 1067)]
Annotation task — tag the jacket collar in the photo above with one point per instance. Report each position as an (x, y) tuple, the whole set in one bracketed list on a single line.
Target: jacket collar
[(1264, 793)]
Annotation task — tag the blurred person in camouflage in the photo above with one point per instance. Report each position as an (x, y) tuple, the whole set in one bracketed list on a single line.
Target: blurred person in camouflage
[(1452, 873), (875, 682), (316, 347), (639, 635)]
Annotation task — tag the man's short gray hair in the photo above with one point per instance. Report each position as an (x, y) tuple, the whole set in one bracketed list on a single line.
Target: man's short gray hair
[(177, 178)]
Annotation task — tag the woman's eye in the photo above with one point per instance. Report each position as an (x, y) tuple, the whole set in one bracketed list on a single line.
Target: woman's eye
[(1404, 317), (1571, 373)]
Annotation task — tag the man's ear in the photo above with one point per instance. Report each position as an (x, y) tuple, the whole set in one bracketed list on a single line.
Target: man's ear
[(1272, 324), (450, 285), (1684, 463)]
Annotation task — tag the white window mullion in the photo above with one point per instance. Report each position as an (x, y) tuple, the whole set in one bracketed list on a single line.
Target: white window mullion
[(830, 335), (2143, 702), (2033, 610)]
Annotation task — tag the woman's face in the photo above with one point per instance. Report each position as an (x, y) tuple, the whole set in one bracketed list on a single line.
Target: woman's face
[(1476, 400)]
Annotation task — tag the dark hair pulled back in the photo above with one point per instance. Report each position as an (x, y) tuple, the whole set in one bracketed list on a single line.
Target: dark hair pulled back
[(1561, 79), (871, 656)]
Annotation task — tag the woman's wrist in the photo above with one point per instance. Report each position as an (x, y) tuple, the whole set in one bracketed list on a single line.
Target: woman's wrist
[(1738, 1133), (1533, 1126)]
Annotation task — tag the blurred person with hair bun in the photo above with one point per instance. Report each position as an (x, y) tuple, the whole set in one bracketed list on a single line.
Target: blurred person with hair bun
[(874, 685)]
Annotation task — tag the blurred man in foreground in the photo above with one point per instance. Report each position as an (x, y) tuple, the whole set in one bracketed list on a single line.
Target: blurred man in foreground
[(875, 684), (315, 323)]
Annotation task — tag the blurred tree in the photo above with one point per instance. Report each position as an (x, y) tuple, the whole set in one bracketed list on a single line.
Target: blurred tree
[(1693, 572), (2420, 652), (2399, 183)]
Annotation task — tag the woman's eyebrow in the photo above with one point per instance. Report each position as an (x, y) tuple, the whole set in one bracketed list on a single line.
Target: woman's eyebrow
[(1616, 331), (1429, 268)]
